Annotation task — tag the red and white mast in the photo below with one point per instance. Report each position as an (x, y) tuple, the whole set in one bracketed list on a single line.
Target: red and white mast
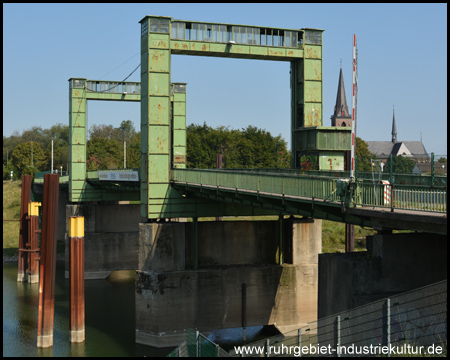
[(355, 82)]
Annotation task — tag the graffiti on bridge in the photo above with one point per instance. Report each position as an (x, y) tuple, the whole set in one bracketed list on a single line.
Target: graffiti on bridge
[(308, 160)]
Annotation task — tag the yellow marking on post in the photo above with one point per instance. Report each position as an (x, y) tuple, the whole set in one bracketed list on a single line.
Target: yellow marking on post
[(76, 226), (33, 208)]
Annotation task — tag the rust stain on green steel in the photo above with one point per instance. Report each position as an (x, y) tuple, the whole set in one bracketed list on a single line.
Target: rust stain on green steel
[(276, 52), (161, 44), (237, 49), (161, 144), (312, 118), (78, 138), (180, 159), (312, 52), (313, 92)]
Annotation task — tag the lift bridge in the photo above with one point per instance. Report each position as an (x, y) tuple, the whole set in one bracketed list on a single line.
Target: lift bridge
[(315, 185)]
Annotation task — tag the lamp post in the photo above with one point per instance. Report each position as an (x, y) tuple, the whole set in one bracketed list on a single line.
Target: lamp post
[(124, 149)]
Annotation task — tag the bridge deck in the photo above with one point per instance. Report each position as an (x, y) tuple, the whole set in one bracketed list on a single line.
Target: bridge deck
[(317, 197)]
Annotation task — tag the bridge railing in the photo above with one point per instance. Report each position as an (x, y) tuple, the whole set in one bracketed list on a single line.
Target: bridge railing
[(407, 197), (368, 192), (319, 187)]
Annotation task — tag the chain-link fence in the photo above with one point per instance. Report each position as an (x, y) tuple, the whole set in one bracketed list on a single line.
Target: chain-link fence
[(197, 345), (411, 323)]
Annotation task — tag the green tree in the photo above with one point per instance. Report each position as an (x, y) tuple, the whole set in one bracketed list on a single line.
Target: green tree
[(442, 160), (363, 155), (127, 130), (246, 148), (104, 132), (28, 158), (59, 133), (134, 152), (400, 164), (103, 154)]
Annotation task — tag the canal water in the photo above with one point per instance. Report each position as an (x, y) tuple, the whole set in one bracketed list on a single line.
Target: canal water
[(109, 318)]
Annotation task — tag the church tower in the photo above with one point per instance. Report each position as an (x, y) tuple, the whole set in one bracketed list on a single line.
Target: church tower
[(394, 128), (341, 117)]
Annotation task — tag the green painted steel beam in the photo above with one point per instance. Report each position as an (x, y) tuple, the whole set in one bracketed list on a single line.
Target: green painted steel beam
[(238, 51), (77, 138), (179, 125), (113, 97)]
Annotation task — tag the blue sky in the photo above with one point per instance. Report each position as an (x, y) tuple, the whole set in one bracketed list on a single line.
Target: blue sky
[(402, 54)]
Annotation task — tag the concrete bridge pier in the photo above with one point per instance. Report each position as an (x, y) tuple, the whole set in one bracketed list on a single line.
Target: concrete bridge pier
[(111, 237), (171, 296)]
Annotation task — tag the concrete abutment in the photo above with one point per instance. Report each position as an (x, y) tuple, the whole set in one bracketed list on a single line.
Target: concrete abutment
[(171, 296), (394, 263)]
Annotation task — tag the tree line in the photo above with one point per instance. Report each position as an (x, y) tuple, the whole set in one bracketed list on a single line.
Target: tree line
[(250, 147)]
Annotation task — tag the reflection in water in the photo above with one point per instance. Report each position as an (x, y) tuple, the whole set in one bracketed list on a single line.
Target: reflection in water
[(110, 324)]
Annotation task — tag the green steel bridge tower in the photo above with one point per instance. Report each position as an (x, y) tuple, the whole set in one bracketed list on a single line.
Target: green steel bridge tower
[(163, 107)]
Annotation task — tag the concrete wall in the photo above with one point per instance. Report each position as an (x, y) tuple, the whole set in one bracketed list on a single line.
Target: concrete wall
[(111, 237), (169, 298), (233, 243), (395, 263), (208, 299)]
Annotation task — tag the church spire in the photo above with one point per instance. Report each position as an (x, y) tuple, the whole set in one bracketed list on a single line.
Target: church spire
[(394, 128), (341, 108)]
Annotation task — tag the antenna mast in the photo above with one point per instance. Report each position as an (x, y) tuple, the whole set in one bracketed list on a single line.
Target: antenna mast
[(355, 82)]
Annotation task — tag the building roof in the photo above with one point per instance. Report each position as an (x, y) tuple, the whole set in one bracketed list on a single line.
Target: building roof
[(425, 167), (383, 149), (380, 148), (341, 108), (416, 148)]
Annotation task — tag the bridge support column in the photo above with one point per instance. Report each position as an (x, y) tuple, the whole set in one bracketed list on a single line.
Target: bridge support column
[(23, 234), (111, 237), (33, 229), (48, 262), (171, 295), (76, 279)]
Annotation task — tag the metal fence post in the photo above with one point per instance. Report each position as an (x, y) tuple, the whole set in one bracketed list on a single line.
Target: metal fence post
[(266, 353), (244, 311), (392, 196), (338, 334), (388, 324), (300, 341), (432, 169), (197, 344), (390, 168)]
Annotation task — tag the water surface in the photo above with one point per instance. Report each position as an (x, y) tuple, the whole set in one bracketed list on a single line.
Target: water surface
[(109, 319)]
